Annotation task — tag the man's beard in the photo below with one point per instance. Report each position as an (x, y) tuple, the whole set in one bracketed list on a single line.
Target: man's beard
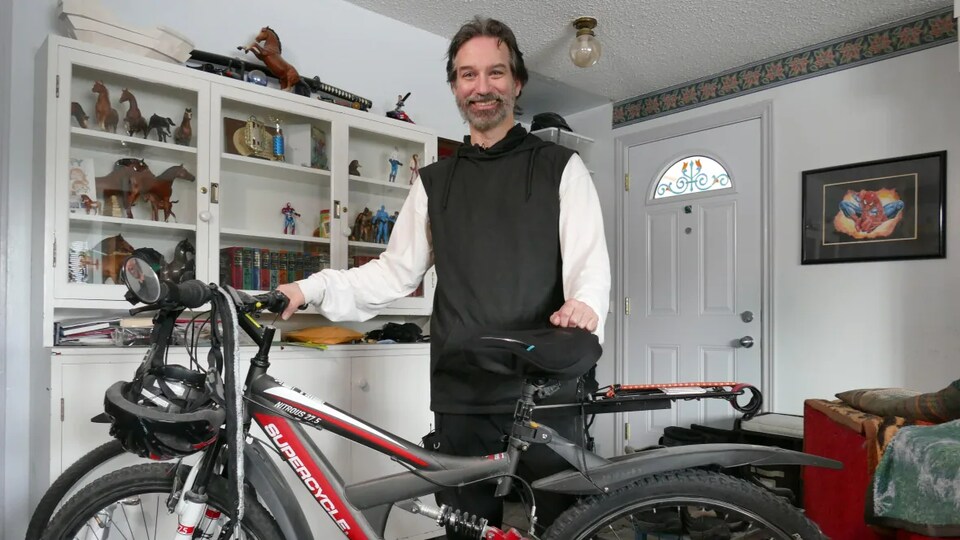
[(483, 120)]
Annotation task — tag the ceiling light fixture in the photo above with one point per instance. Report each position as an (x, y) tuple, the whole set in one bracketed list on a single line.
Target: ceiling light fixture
[(585, 49)]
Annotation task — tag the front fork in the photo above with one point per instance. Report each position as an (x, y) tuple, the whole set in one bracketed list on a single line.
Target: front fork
[(193, 515)]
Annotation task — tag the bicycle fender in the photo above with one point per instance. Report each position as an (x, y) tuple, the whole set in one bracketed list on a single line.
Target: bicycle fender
[(274, 492), (623, 470)]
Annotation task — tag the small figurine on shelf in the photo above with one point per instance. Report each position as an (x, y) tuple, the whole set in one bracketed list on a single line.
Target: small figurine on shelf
[(133, 121), (354, 168), (183, 265), (267, 47), (381, 220), (115, 210), (162, 125), (393, 221), (289, 223), (107, 116), (414, 168), (394, 163), (398, 112), (77, 112), (89, 204), (278, 149), (184, 132)]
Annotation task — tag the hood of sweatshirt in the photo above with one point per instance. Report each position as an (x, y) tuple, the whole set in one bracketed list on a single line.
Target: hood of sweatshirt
[(516, 141)]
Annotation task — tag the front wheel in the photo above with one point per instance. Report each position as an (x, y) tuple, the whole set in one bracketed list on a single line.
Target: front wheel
[(694, 504), (132, 504)]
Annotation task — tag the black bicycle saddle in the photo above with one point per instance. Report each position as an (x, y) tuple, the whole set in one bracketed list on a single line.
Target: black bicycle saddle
[(553, 353)]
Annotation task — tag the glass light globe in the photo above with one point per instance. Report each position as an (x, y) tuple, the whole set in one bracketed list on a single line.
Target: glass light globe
[(257, 77), (585, 50)]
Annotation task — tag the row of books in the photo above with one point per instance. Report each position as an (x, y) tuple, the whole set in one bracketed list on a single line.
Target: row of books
[(256, 269)]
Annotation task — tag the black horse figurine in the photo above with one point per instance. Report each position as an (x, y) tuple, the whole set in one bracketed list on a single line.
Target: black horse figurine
[(183, 267)]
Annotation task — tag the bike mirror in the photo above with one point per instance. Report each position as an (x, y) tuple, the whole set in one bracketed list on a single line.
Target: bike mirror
[(141, 280)]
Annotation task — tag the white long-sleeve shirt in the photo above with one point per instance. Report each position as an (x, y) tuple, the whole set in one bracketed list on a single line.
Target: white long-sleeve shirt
[(360, 293)]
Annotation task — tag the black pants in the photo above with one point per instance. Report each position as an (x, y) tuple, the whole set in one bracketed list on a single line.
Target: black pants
[(485, 434)]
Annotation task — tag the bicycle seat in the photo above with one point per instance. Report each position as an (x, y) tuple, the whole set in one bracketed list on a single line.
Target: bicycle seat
[(553, 353)]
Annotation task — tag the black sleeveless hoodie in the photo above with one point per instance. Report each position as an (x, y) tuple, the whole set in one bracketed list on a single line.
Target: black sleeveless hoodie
[(494, 220)]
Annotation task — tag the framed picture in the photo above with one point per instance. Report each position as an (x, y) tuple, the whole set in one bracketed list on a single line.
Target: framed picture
[(878, 210)]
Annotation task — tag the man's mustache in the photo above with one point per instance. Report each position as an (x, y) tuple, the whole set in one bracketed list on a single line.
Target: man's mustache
[(485, 97)]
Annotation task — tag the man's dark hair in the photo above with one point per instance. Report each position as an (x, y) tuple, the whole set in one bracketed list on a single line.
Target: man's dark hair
[(481, 26)]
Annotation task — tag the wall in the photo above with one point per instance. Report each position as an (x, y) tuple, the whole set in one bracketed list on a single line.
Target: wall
[(844, 326), (399, 59), (595, 123)]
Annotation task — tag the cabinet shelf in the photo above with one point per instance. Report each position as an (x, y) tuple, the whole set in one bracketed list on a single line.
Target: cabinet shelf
[(112, 142), (271, 169), (132, 223), (366, 245), (241, 233), (373, 186)]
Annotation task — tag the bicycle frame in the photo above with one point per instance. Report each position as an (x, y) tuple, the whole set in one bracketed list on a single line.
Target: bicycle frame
[(361, 510)]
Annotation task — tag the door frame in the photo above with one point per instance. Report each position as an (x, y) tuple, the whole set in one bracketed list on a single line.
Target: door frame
[(764, 112)]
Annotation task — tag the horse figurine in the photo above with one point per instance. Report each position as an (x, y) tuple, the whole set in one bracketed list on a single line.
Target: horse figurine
[(117, 182), (157, 204), (183, 265), (134, 120), (77, 112), (107, 116), (162, 125), (184, 132), (161, 186), (113, 244), (89, 204), (267, 48)]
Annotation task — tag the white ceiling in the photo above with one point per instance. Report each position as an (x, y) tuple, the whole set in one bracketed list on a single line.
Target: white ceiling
[(650, 45)]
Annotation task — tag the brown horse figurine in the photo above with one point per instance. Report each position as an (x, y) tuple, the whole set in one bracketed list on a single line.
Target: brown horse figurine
[(89, 204), (117, 182), (113, 244), (157, 204), (161, 186), (269, 53), (107, 116), (134, 120), (77, 112), (184, 132)]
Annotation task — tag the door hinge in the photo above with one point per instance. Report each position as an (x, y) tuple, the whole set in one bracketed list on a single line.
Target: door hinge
[(626, 306), (62, 407), (626, 182), (55, 251), (58, 86), (626, 431)]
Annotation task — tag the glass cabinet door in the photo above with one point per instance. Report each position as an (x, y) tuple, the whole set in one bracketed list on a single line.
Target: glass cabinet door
[(273, 193), (130, 165)]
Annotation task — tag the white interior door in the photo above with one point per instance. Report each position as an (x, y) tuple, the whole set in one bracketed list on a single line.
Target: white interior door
[(693, 273)]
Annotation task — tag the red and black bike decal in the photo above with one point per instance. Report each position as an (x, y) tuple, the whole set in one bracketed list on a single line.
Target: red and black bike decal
[(335, 417), (296, 455)]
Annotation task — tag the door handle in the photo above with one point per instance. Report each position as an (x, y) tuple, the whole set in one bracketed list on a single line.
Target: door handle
[(746, 342)]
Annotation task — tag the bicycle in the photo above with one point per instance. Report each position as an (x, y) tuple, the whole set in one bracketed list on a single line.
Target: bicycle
[(662, 491)]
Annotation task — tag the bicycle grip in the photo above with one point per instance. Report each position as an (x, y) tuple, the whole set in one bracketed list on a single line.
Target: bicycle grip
[(193, 293)]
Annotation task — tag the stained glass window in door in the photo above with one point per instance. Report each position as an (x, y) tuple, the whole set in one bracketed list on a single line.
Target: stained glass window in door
[(692, 174)]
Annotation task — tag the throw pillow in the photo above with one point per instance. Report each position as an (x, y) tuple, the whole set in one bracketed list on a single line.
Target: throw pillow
[(935, 407)]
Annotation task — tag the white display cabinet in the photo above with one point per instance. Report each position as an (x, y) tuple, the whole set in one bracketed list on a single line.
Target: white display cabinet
[(206, 193)]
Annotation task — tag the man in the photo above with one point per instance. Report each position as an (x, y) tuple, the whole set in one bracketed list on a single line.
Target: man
[(514, 227)]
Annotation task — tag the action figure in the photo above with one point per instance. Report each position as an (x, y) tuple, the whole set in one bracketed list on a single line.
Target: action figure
[(289, 223), (381, 220), (414, 168), (398, 112), (394, 164)]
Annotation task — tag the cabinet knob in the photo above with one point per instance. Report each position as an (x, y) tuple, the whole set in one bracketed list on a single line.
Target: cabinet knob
[(205, 216), (363, 385)]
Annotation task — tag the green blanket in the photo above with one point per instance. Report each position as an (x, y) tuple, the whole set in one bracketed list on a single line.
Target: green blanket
[(916, 486)]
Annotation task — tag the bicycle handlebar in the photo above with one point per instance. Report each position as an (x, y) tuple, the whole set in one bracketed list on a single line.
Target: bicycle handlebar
[(194, 293)]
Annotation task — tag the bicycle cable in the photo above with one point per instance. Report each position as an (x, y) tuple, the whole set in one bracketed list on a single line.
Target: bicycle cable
[(529, 488)]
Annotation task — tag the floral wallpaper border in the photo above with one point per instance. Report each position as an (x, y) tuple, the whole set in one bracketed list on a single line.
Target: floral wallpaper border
[(922, 32)]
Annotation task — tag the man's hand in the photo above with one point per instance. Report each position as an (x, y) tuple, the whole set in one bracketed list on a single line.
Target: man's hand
[(575, 314), (293, 292)]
